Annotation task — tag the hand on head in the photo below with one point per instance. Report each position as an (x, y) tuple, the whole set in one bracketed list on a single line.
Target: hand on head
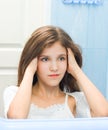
[(32, 67), (72, 64)]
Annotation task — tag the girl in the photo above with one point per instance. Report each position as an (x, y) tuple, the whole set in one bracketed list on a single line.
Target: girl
[(51, 83)]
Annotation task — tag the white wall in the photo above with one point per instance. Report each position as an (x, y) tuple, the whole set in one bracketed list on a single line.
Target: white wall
[(18, 19)]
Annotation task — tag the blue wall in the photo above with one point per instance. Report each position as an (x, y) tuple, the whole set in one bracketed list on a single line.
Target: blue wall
[(87, 24)]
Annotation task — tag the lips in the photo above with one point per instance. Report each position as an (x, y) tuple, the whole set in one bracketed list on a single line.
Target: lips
[(53, 75)]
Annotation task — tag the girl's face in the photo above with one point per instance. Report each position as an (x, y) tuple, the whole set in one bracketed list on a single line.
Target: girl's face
[(52, 65)]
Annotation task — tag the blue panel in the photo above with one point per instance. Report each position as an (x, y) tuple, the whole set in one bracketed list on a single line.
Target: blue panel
[(98, 26), (74, 124), (87, 24), (74, 19), (95, 67)]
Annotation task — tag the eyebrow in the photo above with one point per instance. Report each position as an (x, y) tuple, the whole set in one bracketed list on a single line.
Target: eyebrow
[(49, 56)]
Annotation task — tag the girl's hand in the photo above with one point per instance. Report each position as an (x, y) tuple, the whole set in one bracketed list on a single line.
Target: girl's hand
[(72, 64), (32, 67)]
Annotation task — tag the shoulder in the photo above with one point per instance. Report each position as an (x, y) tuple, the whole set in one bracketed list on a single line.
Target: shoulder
[(10, 90), (82, 107), (79, 98), (77, 95), (8, 95), (12, 87), (72, 104)]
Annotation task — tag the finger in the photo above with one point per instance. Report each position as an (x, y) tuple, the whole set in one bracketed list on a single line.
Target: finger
[(35, 60), (69, 50)]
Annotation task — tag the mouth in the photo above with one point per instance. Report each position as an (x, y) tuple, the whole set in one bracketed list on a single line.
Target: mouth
[(53, 75)]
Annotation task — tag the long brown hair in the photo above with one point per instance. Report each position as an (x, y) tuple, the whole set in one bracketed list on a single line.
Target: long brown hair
[(43, 37)]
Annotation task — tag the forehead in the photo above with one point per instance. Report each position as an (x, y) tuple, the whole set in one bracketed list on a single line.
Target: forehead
[(54, 48)]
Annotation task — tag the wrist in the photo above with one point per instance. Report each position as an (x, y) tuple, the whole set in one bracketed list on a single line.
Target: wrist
[(29, 72)]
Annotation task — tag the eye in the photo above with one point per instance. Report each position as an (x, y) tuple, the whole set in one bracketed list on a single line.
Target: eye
[(62, 58), (44, 59)]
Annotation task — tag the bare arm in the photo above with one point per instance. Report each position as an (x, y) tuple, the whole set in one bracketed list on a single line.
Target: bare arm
[(19, 108), (98, 104)]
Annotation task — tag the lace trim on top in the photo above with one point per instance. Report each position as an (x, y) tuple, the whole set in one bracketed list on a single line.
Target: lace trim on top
[(58, 111)]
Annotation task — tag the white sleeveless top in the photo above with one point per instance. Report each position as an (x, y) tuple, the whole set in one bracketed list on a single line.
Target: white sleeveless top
[(56, 111)]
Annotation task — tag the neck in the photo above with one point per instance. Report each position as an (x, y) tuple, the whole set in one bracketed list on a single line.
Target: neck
[(46, 91)]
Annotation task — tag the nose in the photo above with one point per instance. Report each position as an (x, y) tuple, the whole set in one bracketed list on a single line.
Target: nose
[(54, 66)]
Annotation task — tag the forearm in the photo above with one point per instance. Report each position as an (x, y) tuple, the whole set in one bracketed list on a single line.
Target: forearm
[(20, 105), (98, 104)]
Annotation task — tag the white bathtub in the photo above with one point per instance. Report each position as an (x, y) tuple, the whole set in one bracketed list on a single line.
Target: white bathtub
[(74, 124)]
